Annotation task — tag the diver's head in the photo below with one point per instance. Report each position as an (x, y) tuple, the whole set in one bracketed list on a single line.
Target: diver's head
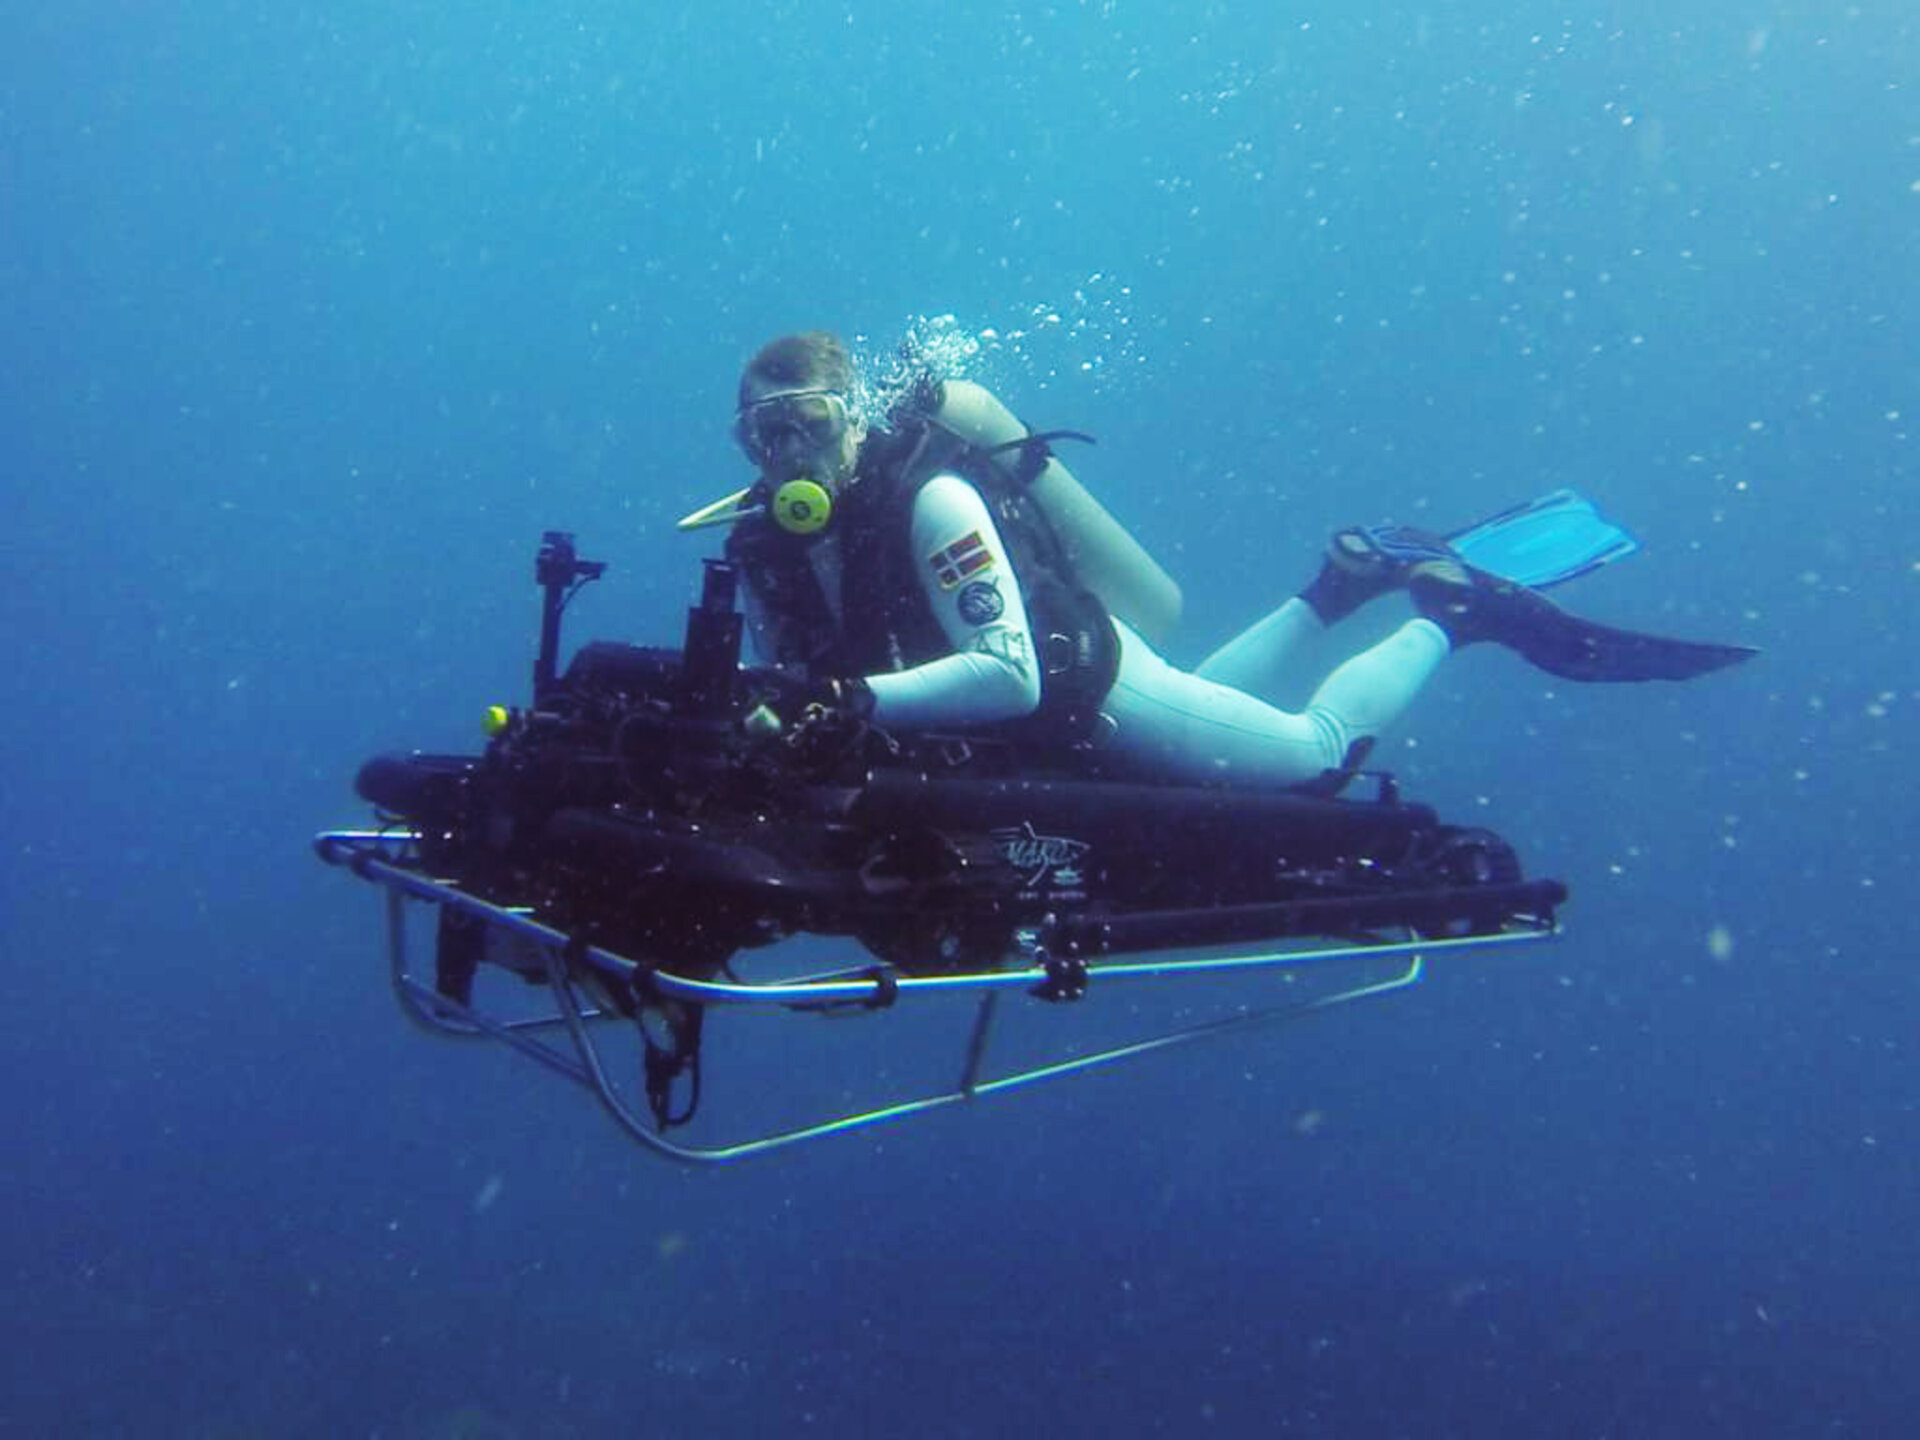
[(796, 418)]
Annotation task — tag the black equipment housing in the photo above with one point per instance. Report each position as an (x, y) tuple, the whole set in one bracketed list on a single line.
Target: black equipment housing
[(653, 799)]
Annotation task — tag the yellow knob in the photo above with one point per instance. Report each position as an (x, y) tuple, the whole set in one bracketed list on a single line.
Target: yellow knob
[(802, 507)]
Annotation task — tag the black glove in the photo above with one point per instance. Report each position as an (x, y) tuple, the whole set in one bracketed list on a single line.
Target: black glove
[(818, 724), (790, 708), (835, 704)]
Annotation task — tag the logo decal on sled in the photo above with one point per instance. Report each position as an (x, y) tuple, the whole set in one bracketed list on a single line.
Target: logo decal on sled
[(1048, 859)]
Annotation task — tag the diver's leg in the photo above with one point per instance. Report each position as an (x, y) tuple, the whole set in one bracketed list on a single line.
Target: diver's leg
[(1191, 728), (1357, 567), (1252, 660), (1366, 694)]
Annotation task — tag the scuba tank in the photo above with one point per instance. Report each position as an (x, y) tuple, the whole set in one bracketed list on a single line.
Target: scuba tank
[(1108, 560)]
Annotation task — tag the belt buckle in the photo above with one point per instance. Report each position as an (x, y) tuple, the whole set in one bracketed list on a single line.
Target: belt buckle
[(1058, 653)]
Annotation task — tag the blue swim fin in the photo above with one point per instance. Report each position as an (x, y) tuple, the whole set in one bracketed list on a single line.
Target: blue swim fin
[(1544, 542), (1489, 588)]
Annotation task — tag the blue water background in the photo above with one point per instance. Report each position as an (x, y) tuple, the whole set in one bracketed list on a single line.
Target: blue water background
[(312, 317)]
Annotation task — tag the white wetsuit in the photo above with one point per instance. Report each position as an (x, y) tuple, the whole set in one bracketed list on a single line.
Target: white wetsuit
[(1160, 722)]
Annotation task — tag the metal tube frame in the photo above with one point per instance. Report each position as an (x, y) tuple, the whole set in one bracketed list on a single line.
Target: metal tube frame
[(381, 857)]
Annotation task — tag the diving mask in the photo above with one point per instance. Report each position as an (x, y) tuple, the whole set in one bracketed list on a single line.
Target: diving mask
[(777, 424)]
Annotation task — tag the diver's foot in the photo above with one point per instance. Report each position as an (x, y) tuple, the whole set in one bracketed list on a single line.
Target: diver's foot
[(1363, 563), (1472, 606)]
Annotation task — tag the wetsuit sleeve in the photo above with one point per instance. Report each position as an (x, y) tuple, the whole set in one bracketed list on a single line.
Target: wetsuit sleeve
[(970, 586)]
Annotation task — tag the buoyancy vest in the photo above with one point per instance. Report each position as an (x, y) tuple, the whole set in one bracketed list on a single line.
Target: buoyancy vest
[(886, 623)]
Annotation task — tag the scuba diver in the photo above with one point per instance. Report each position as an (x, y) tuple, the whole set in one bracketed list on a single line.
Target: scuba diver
[(938, 568)]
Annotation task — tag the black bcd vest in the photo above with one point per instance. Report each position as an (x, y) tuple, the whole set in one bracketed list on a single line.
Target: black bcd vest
[(886, 622)]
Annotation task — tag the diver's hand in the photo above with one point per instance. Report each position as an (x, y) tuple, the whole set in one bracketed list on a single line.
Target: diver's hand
[(816, 725), (817, 708), (836, 703)]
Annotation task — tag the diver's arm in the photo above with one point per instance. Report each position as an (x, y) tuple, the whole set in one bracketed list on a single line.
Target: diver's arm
[(971, 588)]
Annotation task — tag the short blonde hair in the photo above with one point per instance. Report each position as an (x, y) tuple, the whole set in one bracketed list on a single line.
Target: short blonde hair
[(811, 360)]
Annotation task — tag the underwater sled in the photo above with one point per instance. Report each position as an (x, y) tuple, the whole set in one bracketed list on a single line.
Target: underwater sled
[(636, 841)]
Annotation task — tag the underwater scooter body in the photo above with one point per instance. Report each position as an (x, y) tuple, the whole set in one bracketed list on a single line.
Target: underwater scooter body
[(637, 799), (650, 810)]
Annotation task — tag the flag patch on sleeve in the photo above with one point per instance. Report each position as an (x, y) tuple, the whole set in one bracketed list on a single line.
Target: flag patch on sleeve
[(954, 564)]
